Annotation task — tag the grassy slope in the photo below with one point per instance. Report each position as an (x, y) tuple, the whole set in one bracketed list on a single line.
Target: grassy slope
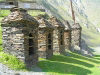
[(74, 64)]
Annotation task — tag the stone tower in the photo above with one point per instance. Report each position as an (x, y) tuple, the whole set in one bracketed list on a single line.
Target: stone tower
[(75, 35), (20, 33)]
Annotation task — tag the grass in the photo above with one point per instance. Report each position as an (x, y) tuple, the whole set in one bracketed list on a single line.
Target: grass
[(11, 61), (36, 12), (4, 13), (74, 64)]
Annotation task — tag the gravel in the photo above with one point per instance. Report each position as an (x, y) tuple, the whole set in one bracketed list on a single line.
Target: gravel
[(4, 70)]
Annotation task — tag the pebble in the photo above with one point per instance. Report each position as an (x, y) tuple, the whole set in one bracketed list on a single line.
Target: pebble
[(4, 70)]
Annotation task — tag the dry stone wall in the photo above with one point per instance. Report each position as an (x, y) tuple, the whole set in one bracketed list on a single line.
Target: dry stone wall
[(76, 37), (45, 32), (61, 41), (56, 40), (13, 41), (57, 46), (43, 50), (20, 36), (58, 35), (67, 39), (67, 35)]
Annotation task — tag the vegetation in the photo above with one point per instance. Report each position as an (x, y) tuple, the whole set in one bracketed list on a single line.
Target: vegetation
[(4, 13), (74, 64), (1, 0), (11, 61), (36, 12)]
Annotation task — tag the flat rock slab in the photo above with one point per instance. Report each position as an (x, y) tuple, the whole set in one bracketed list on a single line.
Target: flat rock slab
[(4, 70)]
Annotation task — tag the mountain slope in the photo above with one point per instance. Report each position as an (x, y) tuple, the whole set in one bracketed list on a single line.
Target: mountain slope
[(62, 10)]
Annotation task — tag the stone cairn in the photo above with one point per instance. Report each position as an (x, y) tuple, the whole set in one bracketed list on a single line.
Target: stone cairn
[(45, 38), (58, 35), (20, 33), (76, 37)]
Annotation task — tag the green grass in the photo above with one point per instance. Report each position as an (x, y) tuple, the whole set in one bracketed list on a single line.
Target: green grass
[(36, 12), (4, 13), (11, 61), (74, 64), (1, 0)]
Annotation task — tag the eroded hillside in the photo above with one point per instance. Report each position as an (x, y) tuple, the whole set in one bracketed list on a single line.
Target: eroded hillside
[(62, 10)]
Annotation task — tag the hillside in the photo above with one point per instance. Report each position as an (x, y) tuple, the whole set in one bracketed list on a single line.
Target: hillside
[(62, 10), (92, 10)]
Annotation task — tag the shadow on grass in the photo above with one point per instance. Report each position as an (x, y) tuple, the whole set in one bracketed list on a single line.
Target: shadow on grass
[(1, 48), (61, 64), (62, 68), (78, 56), (68, 59), (97, 57)]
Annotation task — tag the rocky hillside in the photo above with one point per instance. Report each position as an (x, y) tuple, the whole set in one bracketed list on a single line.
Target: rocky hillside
[(85, 15)]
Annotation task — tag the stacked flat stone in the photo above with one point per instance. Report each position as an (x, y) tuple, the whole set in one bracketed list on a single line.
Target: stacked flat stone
[(76, 35), (16, 28), (67, 35), (45, 28), (58, 47)]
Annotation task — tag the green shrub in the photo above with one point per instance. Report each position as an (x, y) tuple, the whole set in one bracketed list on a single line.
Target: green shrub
[(4, 13)]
